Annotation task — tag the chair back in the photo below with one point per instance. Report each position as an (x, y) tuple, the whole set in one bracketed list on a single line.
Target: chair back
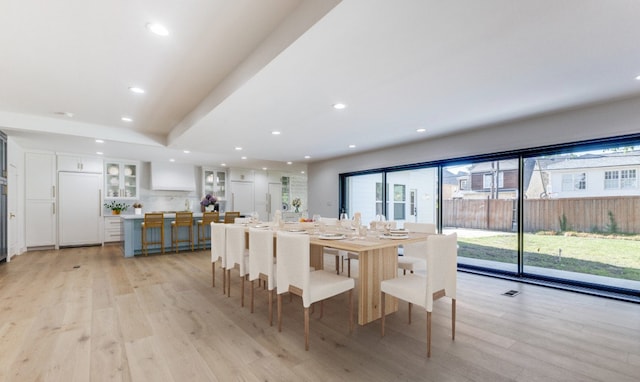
[(184, 218), (442, 266), (219, 243), (329, 221), (292, 264), (418, 250), (236, 247), (230, 216), (261, 255), (210, 217), (242, 221), (154, 220)]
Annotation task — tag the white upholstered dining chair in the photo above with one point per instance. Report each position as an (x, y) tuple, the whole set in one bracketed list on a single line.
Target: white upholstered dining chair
[(262, 264), (237, 256), (441, 257), (219, 253), (294, 276), (411, 259)]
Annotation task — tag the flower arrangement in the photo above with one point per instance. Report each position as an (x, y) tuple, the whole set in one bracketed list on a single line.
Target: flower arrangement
[(296, 203), (208, 201), (116, 207)]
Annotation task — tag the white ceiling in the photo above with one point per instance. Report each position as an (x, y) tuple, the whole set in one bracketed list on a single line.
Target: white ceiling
[(230, 72)]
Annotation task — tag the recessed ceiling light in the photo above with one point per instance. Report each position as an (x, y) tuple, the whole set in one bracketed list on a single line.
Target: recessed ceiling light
[(421, 130), (172, 160), (64, 114), (186, 151), (307, 157), (339, 106), (126, 119), (243, 158), (99, 152), (223, 164), (264, 168), (638, 77), (275, 133), (158, 29), (238, 148), (301, 172), (289, 162), (352, 146), (99, 141), (136, 90)]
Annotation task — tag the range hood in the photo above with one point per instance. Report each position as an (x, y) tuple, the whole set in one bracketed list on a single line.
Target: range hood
[(173, 177)]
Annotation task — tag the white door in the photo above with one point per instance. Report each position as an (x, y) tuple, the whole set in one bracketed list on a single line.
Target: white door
[(13, 211), (241, 197), (79, 208), (274, 201)]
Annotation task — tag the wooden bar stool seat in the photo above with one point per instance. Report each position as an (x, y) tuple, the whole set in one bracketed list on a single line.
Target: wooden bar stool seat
[(183, 219), (152, 221)]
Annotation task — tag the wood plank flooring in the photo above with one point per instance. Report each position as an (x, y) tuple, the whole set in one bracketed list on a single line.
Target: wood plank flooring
[(158, 319)]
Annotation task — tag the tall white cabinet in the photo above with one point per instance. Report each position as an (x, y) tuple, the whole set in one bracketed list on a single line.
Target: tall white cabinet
[(40, 199)]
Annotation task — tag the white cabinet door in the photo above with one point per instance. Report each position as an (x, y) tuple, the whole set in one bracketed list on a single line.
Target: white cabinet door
[(241, 197), (40, 223), (40, 170), (79, 164), (80, 210)]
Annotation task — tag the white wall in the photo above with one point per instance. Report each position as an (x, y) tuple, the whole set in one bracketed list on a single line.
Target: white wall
[(597, 121)]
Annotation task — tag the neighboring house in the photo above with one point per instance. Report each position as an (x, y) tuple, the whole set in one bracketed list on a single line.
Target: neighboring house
[(592, 175), (492, 180)]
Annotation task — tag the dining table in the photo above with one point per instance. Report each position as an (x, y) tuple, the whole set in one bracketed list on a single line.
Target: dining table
[(377, 255)]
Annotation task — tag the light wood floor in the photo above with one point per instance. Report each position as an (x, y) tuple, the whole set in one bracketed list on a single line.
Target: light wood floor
[(159, 319)]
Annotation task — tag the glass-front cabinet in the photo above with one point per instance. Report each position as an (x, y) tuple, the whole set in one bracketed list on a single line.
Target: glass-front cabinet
[(121, 180), (214, 182)]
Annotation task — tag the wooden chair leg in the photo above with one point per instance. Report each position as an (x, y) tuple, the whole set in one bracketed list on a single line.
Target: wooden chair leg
[(428, 334), (321, 308), (453, 319), (224, 280), (348, 267), (242, 291), (383, 314), (228, 282), (410, 306), (350, 310), (279, 312), (251, 294), (337, 264), (306, 328), (213, 274), (271, 307)]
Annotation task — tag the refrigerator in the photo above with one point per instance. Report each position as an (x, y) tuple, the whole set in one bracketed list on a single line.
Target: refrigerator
[(79, 209)]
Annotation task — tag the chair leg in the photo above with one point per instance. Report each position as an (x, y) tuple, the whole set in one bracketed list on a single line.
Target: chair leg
[(251, 294), (306, 328), (350, 310), (428, 334), (271, 307), (213, 274), (410, 306), (279, 312), (242, 291), (348, 267), (321, 308), (228, 282), (383, 314), (453, 319), (337, 264), (224, 280)]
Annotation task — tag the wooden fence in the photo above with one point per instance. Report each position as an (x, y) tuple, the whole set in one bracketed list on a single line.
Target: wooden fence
[(578, 214)]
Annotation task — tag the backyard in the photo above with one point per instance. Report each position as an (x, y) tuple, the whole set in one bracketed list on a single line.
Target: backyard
[(610, 256)]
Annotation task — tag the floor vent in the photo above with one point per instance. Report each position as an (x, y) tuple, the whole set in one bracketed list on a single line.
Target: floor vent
[(511, 293)]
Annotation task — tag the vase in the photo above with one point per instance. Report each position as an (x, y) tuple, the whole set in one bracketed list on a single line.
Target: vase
[(297, 210), (115, 212), (137, 211)]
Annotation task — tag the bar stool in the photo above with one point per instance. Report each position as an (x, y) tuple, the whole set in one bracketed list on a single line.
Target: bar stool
[(207, 219), (183, 219), (230, 217), (152, 221)]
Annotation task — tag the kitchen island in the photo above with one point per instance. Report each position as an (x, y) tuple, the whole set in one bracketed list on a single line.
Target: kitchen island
[(132, 234)]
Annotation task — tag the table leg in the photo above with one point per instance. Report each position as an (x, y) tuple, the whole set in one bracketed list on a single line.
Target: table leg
[(374, 266)]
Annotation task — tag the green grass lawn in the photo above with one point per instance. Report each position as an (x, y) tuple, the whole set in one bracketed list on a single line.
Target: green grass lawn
[(612, 257)]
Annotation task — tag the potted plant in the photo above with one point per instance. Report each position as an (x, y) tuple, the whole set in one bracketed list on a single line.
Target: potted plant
[(209, 203), (137, 208), (116, 207), (297, 203)]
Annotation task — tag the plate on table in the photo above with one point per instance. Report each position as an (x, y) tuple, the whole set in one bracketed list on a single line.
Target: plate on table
[(261, 226), (297, 230), (332, 236), (394, 236), (398, 231)]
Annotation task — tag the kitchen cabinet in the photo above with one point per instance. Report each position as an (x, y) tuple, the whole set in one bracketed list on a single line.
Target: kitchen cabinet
[(40, 199), (112, 229), (214, 182), (80, 209), (121, 180), (75, 163)]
